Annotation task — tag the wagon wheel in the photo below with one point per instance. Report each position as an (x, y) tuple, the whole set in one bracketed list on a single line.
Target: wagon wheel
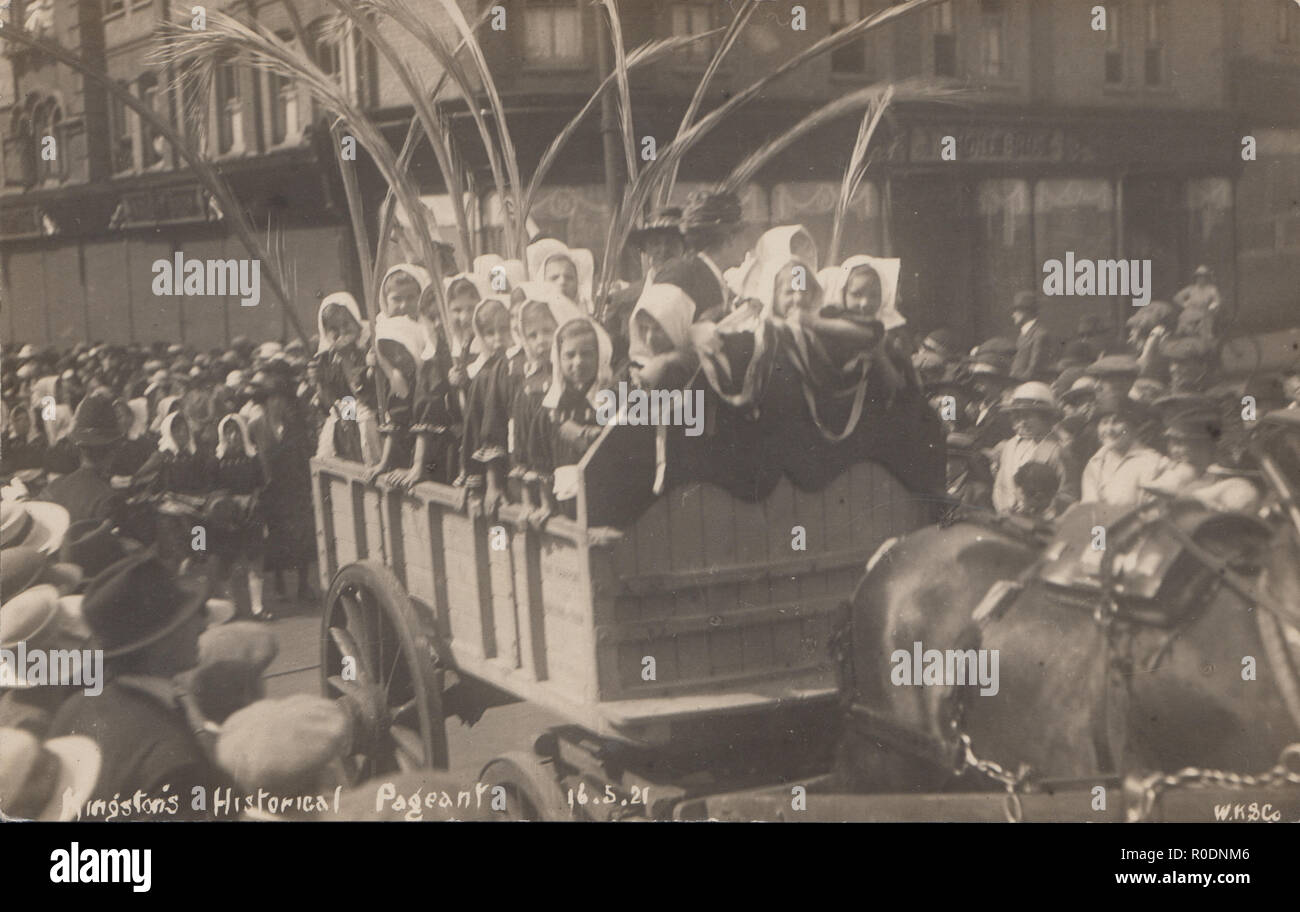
[(397, 693), (532, 790)]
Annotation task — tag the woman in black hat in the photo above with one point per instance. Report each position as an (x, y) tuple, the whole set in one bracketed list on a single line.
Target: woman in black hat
[(280, 434)]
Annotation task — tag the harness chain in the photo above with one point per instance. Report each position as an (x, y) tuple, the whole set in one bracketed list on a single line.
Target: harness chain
[(1150, 788)]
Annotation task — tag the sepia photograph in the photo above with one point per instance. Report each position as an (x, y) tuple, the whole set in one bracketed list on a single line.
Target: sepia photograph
[(700, 411)]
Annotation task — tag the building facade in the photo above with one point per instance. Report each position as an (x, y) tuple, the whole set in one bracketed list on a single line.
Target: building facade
[(1124, 140)]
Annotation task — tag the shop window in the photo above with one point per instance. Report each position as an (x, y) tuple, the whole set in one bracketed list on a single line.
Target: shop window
[(1073, 214), (1154, 60), (1114, 45), (850, 58), (945, 41), (1006, 256), (230, 126), (552, 33)]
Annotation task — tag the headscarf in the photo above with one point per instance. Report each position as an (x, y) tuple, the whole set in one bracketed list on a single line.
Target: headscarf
[(604, 372), (477, 364), (456, 344), (775, 250), (541, 252), (139, 407), (165, 406), (47, 388), (419, 273), (514, 271), (347, 302), (672, 309), (167, 442), (249, 449), (562, 310), (835, 279)]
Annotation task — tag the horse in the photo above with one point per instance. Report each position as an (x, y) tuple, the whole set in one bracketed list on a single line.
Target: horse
[(1087, 689)]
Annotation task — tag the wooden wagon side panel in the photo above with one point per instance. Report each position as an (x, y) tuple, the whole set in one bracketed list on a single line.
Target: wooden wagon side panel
[(719, 592), (566, 619), (500, 556), (468, 600)]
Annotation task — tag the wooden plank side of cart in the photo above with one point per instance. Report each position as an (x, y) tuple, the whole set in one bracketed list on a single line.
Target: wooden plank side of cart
[(700, 607)]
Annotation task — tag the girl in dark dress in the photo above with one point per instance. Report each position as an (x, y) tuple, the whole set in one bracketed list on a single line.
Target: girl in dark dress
[(484, 447), (541, 311), (344, 383), (400, 345), (236, 531), (566, 426)]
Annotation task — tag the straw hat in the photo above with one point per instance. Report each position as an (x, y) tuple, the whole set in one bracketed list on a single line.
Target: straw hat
[(49, 781), (33, 524), (1032, 397)]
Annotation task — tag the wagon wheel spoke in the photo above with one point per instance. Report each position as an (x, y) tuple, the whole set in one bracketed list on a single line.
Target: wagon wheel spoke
[(358, 627), (349, 647), (408, 747), (392, 669)]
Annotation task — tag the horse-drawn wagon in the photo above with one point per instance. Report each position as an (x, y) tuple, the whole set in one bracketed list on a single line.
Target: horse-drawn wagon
[(689, 644)]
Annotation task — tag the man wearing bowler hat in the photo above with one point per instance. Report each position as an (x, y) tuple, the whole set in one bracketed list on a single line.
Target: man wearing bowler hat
[(1035, 349), (147, 624), (86, 493)]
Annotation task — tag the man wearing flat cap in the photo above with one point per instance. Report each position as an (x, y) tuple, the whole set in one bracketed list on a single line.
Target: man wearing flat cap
[(1193, 428), (147, 625), (1035, 349)]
